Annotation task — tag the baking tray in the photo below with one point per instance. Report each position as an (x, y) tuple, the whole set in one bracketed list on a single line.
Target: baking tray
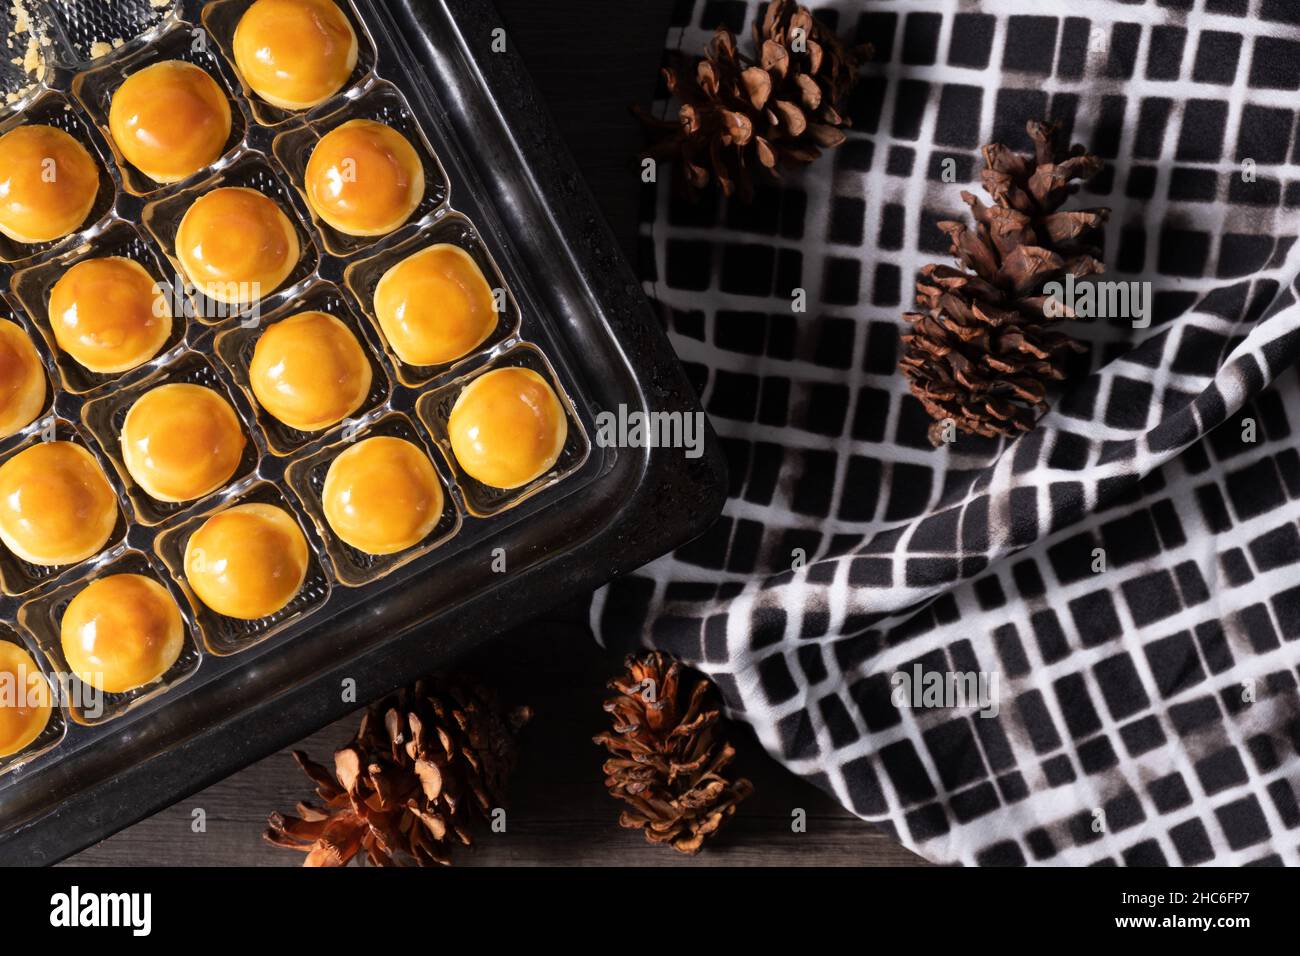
[(580, 317)]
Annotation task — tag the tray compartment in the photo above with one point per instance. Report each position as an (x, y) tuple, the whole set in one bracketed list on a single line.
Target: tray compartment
[(52, 735), (162, 218), (104, 416), (352, 567), (362, 279), (382, 102), (235, 348), (95, 88), (19, 577), (42, 617), (99, 30), (9, 314), (223, 635), (221, 17), (53, 108), (483, 501), (32, 287)]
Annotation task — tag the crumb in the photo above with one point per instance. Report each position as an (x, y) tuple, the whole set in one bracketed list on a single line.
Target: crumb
[(104, 48), (24, 36), (32, 59)]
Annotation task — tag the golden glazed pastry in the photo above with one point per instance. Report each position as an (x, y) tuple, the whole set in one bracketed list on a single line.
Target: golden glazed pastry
[(235, 245), (435, 306), (22, 380), (247, 562), (109, 314), (181, 441), (364, 178), (309, 371), (122, 632), (56, 506), (48, 183), (25, 699), (382, 495), (295, 54), (507, 427), (170, 120)]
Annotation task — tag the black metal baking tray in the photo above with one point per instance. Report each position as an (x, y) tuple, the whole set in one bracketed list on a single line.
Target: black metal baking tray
[(581, 308)]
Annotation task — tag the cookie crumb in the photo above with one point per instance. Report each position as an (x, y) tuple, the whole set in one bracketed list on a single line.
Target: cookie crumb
[(32, 61)]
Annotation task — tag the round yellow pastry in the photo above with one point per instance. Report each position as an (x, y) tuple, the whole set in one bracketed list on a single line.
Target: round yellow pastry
[(435, 306), (309, 371), (247, 562), (25, 699), (56, 506), (295, 54), (170, 120), (236, 245), (122, 632), (382, 495), (22, 380), (181, 441), (364, 178), (109, 314), (507, 427), (48, 183)]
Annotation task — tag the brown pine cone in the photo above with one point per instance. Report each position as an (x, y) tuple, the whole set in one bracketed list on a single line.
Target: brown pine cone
[(741, 118), (982, 350), (425, 765), (667, 755)]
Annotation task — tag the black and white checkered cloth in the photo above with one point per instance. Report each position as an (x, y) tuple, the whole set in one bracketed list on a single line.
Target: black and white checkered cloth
[(1149, 711)]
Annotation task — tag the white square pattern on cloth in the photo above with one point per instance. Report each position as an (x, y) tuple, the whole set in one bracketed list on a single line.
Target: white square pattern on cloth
[(1147, 708)]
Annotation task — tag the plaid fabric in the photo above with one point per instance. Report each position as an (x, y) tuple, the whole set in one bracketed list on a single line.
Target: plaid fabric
[(1128, 570)]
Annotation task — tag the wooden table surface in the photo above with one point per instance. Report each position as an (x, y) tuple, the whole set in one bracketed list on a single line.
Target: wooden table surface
[(591, 58)]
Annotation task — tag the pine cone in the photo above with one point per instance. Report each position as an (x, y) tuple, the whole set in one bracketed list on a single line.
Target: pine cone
[(424, 765), (982, 351), (667, 756), (740, 117)]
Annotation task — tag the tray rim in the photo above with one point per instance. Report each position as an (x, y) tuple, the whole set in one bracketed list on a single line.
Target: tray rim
[(634, 533)]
